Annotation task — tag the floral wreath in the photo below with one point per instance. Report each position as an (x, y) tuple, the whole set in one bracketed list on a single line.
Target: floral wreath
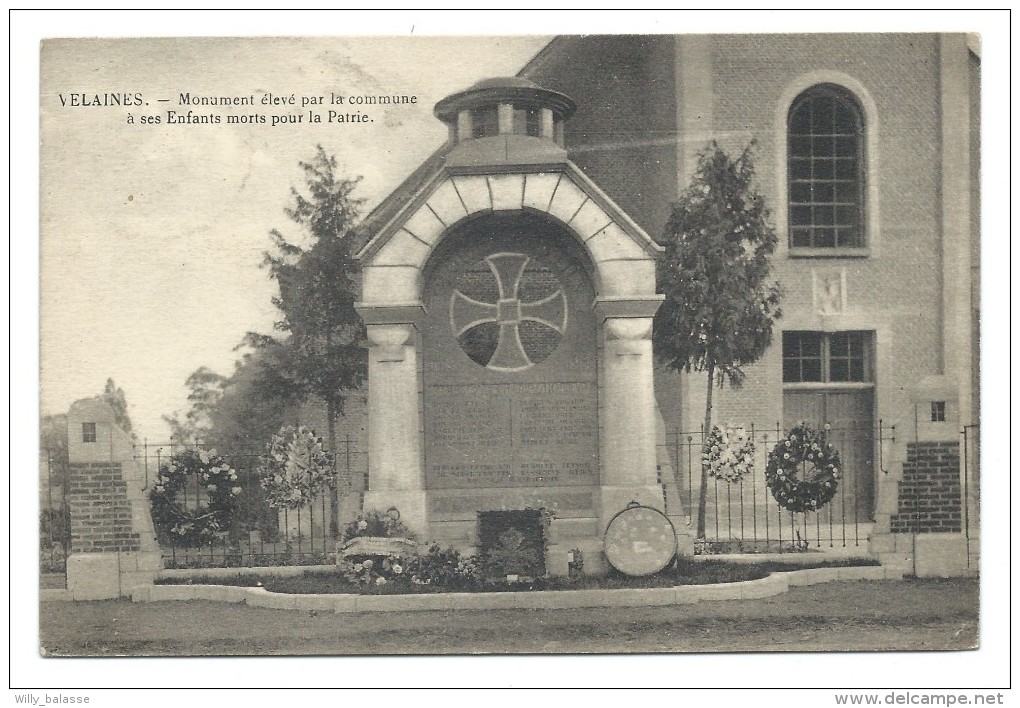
[(803, 470), (728, 454), (198, 521), (296, 468)]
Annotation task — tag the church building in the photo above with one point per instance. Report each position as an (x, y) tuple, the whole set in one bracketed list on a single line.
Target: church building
[(509, 289)]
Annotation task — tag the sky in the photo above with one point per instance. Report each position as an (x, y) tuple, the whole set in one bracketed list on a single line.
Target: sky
[(153, 235), (150, 239)]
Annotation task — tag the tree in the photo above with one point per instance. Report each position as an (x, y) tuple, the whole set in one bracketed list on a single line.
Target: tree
[(238, 413), (255, 402), (53, 446), (719, 309), (323, 354), (53, 435), (114, 396), (205, 390)]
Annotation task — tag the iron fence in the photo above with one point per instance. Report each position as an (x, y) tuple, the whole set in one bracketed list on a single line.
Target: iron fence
[(971, 454), (740, 516), (54, 518), (743, 516), (258, 534)]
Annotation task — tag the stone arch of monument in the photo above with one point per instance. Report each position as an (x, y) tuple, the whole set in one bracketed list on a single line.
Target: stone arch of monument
[(623, 254), (519, 178)]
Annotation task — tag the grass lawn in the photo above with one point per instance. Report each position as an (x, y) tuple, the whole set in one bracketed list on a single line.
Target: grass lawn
[(686, 572), (909, 614)]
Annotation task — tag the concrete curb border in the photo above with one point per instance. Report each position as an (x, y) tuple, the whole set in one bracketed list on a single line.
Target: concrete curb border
[(774, 584)]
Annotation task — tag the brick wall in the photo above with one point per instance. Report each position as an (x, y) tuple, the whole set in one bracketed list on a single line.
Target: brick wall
[(929, 496), (623, 135), (626, 138), (895, 292), (100, 509)]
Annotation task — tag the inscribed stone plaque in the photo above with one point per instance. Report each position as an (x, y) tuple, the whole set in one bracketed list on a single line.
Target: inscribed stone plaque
[(463, 505), (511, 435), (509, 355)]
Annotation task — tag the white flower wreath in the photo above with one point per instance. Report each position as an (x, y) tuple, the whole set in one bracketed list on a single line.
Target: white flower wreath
[(728, 454), (296, 468)]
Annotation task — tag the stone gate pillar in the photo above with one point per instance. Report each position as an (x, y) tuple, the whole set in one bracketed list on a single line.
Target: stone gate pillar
[(395, 477), (113, 543)]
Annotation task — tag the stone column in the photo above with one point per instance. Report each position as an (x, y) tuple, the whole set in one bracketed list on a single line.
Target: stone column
[(394, 425), (628, 417)]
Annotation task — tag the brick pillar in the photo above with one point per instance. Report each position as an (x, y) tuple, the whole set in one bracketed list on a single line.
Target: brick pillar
[(925, 533), (113, 543)]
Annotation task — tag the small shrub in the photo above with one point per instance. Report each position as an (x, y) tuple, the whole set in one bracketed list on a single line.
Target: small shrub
[(444, 567), (54, 524), (575, 566), (52, 558)]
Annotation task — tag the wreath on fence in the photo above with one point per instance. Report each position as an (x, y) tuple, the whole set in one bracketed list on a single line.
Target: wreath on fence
[(296, 468), (803, 470), (214, 489), (728, 454)]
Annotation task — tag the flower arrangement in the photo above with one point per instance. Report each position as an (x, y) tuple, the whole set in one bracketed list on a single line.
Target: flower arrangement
[(803, 470), (369, 571), (296, 468), (437, 567), (728, 454), (513, 553), (379, 524), (213, 487), (444, 567)]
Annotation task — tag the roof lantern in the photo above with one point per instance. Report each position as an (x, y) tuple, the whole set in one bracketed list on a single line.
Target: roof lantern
[(505, 105)]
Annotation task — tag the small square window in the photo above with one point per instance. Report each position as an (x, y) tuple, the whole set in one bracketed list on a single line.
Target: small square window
[(938, 411), (88, 432)]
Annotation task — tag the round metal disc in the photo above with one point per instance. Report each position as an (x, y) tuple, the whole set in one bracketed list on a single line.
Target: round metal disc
[(640, 540)]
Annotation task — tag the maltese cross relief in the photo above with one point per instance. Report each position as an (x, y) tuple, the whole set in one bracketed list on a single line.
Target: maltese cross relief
[(508, 312)]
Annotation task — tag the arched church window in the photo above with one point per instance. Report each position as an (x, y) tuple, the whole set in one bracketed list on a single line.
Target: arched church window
[(825, 163)]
